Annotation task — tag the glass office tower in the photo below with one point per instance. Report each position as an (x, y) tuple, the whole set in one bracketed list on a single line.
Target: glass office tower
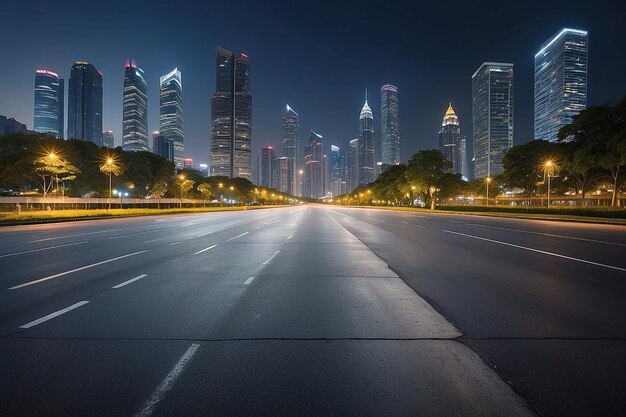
[(291, 127), (492, 116), (267, 159), (135, 109), (389, 125), (560, 81), (313, 166), (49, 111), (171, 113), (367, 162), (450, 143), (84, 103)]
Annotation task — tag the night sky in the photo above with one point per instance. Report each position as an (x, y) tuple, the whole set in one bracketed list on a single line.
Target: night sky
[(318, 57)]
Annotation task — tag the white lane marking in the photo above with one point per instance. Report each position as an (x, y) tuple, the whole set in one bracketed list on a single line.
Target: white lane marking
[(420, 226), (404, 222), (78, 234), (175, 260), (205, 249), (130, 281), (454, 221), (547, 234), (248, 281), (378, 220), (558, 255), (257, 228), (174, 243), (154, 240), (37, 281), (53, 315), (168, 382), (204, 234), (271, 257), (289, 237), (41, 249), (116, 237), (233, 238)]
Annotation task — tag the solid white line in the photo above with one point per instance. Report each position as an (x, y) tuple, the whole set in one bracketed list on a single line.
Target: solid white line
[(37, 281), (175, 260), (116, 237), (174, 243), (271, 257), (168, 382), (548, 234), (204, 234), (40, 249), (130, 281), (154, 240), (404, 222), (233, 238), (420, 226), (248, 281), (78, 234), (53, 315), (539, 251), (205, 249)]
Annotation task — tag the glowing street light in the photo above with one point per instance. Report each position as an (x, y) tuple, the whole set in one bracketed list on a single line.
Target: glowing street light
[(488, 180), (546, 171)]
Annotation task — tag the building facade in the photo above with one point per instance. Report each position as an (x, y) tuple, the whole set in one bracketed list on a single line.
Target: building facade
[(108, 140), (162, 146), (313, 166), (171, 113), (560, 81), (450, 143), (389, 125), (84, 103), (352, 165), (492, 116), (337, 168), (266, 174), (231, 117), (367, 161), (135, 109), (49, 111), (291, 128)]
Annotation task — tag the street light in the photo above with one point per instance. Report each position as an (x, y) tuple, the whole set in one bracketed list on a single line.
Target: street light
[(110, 170), (547, 166), (181, 177), (488, 180)]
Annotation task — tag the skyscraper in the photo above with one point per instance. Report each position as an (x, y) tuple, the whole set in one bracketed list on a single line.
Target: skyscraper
[(492, 116), (313, 166), (162, 146), (283, 173), (267, 158), (171, 114), (352, 165), (367, 162), (49, 104), (337, 171), (231, 117), (84, 107), (560, 81), (291, 127), (108, 140), (389, 125), (450, 143), (135, 109)]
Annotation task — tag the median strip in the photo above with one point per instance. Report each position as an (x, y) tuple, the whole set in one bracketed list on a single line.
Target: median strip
[(37, 281), (558, 255), (53, 315)]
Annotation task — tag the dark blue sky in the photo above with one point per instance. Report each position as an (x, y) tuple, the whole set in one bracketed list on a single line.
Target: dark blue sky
[(317, 56)]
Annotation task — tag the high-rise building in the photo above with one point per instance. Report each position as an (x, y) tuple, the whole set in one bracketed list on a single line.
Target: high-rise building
[(171, 114), (492, 116), (463, 166), (162, 146), (313, 166), (135, 109), (367, 162), (284, 174), (188, 163), (231, 117), (450, 143), (84, 103), (265, 177), (291, 127), (389, 125), (560, 81), (337, 171), (108, 140), (49, 114), (352, 165)]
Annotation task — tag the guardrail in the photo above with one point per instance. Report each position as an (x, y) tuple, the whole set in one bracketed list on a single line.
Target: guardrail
[(62, 203)]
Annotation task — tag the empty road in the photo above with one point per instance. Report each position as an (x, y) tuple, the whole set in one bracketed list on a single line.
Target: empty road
[(313, 310)]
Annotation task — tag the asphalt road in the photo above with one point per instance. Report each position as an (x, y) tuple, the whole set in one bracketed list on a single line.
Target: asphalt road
[(314, 311)]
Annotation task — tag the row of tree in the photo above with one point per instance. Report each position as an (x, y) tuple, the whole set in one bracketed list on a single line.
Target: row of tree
[(42, 165), (590, 154)]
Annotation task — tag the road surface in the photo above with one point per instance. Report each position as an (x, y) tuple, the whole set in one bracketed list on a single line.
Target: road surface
[(312, 310)]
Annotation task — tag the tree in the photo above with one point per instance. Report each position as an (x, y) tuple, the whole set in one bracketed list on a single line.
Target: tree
[(524, 165), (184, 185), (53, 166), (158, 190), (427, 172), (111, 166), (206, 190)]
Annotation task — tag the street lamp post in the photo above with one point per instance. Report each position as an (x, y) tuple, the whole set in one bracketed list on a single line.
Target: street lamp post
[(109, 164), (547, 167), (182, 180), (488, 180)]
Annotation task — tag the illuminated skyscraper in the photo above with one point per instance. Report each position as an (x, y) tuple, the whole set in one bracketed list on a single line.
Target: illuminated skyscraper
[(291, 127), (84, 107), (352, 165), (267, 159), (367, 162), (171, 114), (450, 143), (492, 116), (49, 104), (162, 146), (313, 166), (108, 140), (337, 171), (135, 109), (560, 81), (389, 125), (231, 117)]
